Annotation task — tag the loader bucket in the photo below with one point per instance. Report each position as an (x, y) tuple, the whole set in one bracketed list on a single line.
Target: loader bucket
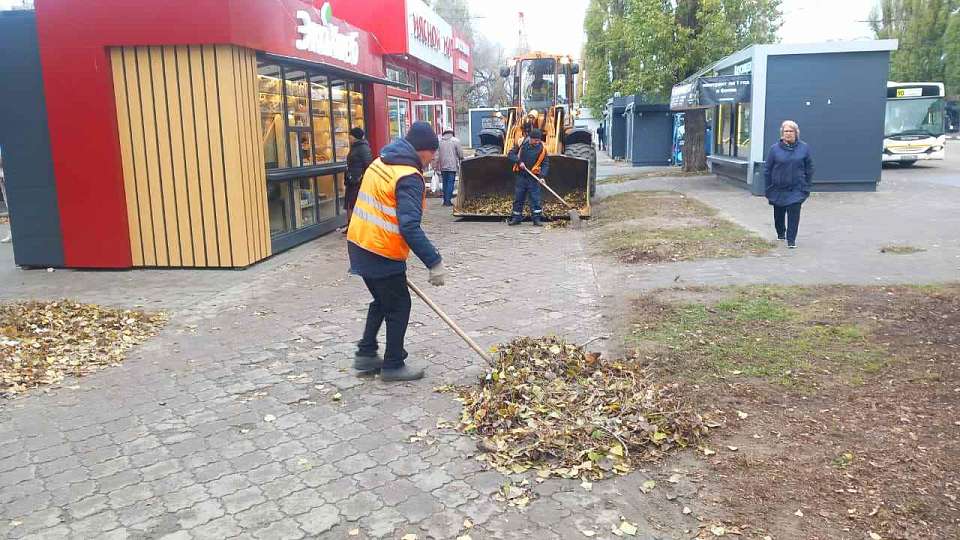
[(487, 186)]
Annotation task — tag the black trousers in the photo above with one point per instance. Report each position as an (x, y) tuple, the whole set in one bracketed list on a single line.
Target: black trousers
[(790, 214), (391, 303)]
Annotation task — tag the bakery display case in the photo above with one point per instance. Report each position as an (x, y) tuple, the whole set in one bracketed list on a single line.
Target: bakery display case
[(341, 121)]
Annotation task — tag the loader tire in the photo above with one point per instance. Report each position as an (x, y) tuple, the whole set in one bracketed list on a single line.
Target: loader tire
[(488, 150), (588, 152)]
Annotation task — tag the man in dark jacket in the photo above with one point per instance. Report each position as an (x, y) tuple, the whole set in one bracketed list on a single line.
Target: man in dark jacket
[(529, 157), (358, 160), (788, 176), (386, 228)]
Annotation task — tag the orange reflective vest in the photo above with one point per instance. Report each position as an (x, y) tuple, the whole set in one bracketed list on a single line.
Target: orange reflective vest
[(374, 225), (536, 166)]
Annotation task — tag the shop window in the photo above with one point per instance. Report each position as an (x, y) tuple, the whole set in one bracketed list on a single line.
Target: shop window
[(725, 121), (326, 196), (271, 116), (357, 107), (322, 125), (743, 130), (447, 92), (397, 74), (305, 197), (399, 112), (341, 121), (279, 207), (427, 86)]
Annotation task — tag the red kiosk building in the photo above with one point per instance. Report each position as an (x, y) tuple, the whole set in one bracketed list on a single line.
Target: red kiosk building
[(200, 134)]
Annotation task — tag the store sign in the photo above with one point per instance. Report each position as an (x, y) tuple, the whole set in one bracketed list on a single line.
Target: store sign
[(706, 92), (462, 46), (324, 38), (718, 90), (463, 65), (742, 69), (429, 37)]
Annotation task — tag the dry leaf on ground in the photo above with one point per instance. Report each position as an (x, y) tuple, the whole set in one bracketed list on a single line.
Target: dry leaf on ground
[(544, 405), (41, 342)]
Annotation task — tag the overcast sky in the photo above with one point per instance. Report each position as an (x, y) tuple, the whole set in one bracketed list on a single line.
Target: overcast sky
[(555, 30), (557, 25)]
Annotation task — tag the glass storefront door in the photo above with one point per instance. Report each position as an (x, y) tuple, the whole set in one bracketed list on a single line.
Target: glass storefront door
[(435, 112)]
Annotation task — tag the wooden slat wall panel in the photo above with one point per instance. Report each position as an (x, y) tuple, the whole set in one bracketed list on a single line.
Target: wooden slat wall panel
[(154, 182), (126, 150), (192, 155)]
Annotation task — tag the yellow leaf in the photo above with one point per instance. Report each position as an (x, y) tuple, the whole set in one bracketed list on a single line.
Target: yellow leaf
[(874, 536), (628, 528), (718, 530), (410, 536), (467, 524), (648, 486), (616, 450)]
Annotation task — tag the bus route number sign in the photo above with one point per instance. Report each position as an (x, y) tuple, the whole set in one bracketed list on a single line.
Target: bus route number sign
[(909, 92)]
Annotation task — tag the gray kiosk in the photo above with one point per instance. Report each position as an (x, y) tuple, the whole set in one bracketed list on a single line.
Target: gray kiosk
[(835, 91)]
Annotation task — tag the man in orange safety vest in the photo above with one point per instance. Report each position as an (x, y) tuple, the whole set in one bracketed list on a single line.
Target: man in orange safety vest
[(384, 228)]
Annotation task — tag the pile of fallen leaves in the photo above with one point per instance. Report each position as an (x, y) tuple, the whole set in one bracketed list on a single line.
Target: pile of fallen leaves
[(41, 342), (551, 406), (493, 205)]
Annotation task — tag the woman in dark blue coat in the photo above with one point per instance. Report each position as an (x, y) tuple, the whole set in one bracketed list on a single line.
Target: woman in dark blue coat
[(788, 174)]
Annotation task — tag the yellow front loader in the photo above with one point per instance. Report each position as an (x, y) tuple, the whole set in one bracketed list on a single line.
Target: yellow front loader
[(543, 95)]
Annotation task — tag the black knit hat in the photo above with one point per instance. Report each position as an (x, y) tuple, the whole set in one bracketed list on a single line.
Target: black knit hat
[(422, 136), (357, 133), (535, 133)]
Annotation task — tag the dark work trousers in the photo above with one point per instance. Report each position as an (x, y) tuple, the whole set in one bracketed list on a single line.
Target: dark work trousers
[(391, 302), (449, 178), (792, 215), (525, 186)]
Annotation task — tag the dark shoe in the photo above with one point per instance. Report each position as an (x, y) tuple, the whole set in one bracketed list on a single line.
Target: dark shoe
[(537, 223), (403, 373), (792, 245), (367, 364), (513, 222), (781, 237)]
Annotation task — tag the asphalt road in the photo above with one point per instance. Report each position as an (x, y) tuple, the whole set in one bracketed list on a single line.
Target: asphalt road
[(946, 172)]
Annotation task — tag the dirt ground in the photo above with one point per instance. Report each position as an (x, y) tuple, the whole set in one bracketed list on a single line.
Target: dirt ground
[(840, 404), (661, 226)]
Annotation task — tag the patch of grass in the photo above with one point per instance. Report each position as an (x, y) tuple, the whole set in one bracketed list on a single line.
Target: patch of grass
[(901, 249), (758, 334), (659, 173), (666, 226)]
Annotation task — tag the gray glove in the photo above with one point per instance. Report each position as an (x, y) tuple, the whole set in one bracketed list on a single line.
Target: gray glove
[(438, 275)]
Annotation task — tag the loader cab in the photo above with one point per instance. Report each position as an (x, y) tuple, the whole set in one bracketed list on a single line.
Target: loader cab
[(542, 82)]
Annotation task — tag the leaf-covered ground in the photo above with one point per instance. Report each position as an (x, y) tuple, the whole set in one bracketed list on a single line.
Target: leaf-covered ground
[(842, 404), (42, 342), (550, 406), (659, 226)]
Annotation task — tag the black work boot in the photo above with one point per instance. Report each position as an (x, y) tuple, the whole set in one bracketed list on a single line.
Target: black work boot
[(402, 373), (367, 364), (514, 221), (537, 222)]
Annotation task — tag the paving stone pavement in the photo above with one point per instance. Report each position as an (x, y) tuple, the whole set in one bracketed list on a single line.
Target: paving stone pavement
[(225, 424)]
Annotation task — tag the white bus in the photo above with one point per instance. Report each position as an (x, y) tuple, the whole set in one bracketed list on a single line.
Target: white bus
[(913, 127)]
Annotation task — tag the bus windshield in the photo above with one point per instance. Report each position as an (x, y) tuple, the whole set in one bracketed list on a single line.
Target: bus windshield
[(538, 83), (921, 116)]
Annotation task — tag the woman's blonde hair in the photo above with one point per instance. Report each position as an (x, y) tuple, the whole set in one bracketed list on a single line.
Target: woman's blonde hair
[(792, 124)]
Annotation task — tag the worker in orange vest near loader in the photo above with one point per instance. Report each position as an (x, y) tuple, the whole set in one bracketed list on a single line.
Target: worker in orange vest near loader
[(384, 228), (529, 156)]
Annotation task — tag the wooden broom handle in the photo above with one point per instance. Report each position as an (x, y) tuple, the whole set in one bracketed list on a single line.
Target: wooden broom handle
[(473, 344)]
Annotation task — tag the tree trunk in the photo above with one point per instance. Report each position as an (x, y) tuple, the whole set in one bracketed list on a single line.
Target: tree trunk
[(694, 150)]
